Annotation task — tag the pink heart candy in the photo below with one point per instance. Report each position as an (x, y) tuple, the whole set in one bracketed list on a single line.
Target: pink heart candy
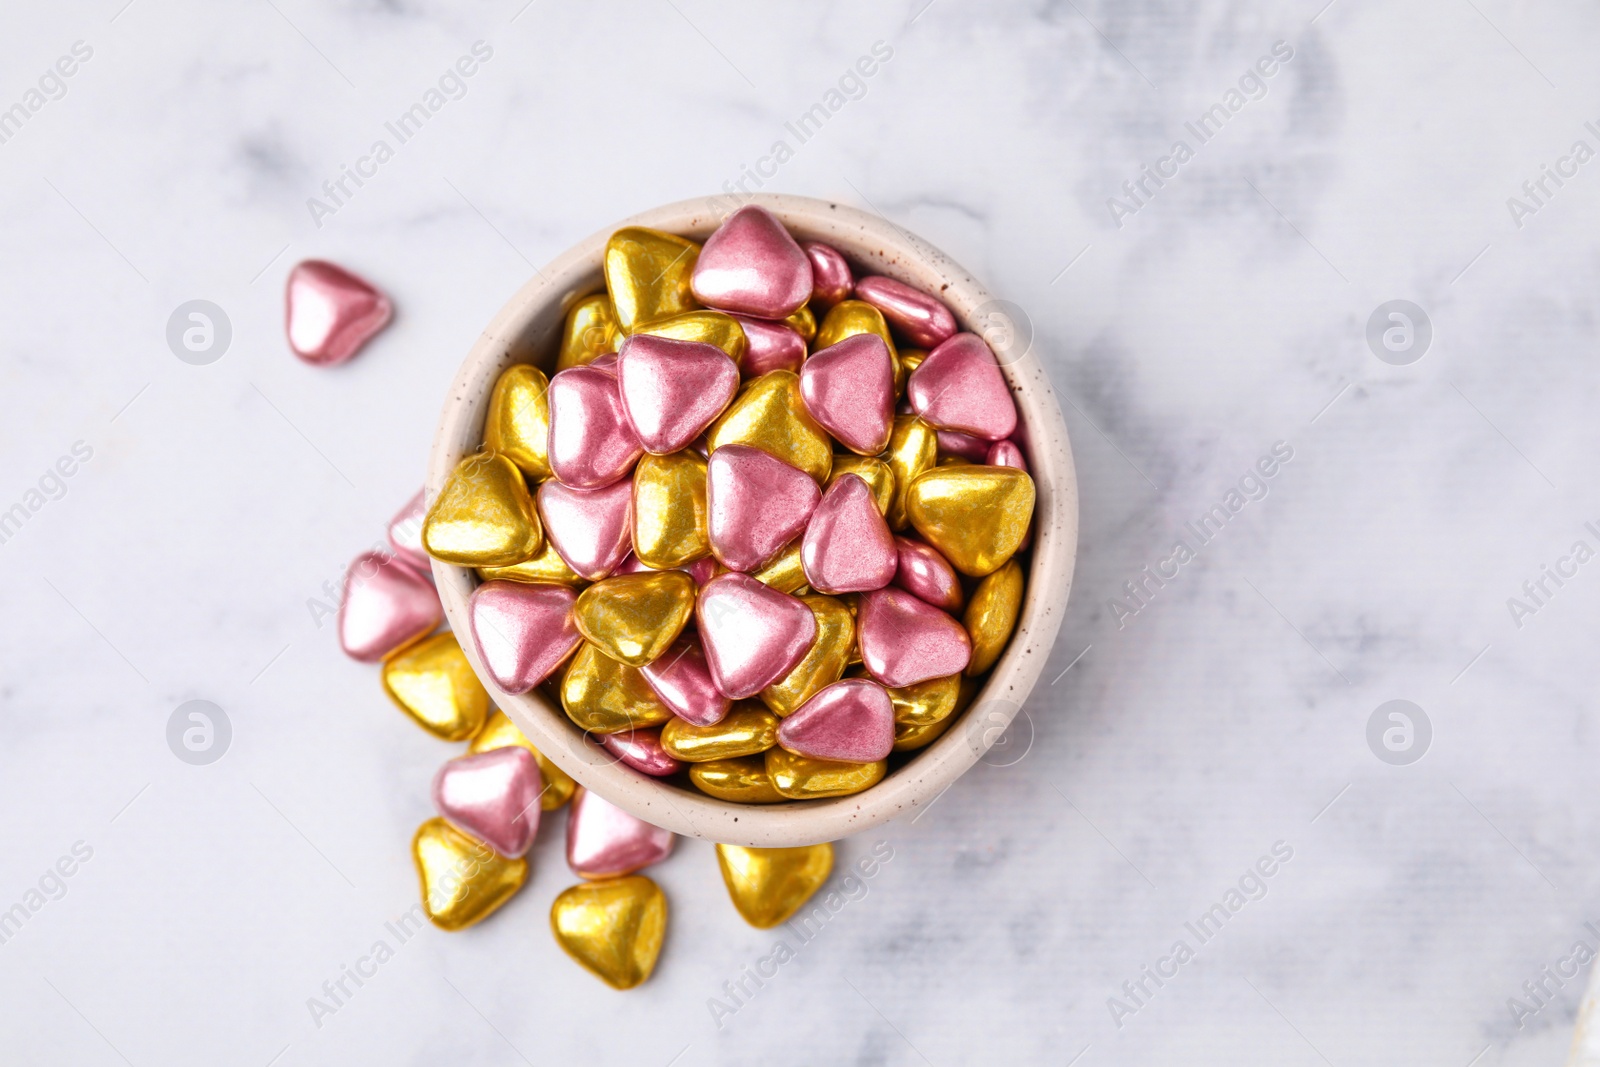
[(591, 443), (925, 321), (386, 606), (641, 750), (848, 547), (927, 575), (852, 720), (905, 641), (523, 630), (972, 449), (672, 390), (960, 387), (405, 533), (752, 634), (330, 313), (849, 389), (682, 680), (701, 570), (751, 265), (591, 529), (604, 841), (756, 505), (493, 796), (831, 280), (770, 346)]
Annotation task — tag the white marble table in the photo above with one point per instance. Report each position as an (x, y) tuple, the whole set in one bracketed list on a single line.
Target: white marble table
[(1191, 329)]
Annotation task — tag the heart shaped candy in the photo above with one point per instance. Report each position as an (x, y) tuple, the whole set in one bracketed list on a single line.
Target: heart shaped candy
[(960, 387), (757, 505), (849, 388), (924, 320), (682, 680), (770, 346), (603, 840), (752, 265), (641, 750), (848, 547), (612, 928), (768, 885), (590, 529), (523, 631), (753, 635), (591, 443), (851, 720), (831, 280), (905, 641), (634, 618), (926, 575), (387, 605), (330, 313), (494, 796), (463, 880), (672, 390)]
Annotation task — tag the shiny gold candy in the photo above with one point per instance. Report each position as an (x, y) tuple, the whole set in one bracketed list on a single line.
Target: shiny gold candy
[(992, 615), (953, 460), (975, 515), (913, 448), (647, 275), (786, 573), (501, 732), (870, 469), (848, 318), (518, 423), (926, 703), (463, 879), (768, 413), (590, 332), (483, 517), (669, 509), (547, 566), (908, 737), (603, 696), (742, 780), (434, 684), (747, 730), (768, 885), (803, 322), (612, 927), (804, 778), (707, 327), (633, 618), (910, 360), (824, 664)]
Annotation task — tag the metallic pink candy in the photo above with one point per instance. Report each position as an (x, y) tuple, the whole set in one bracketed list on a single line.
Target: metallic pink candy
[(591, 443), (523, 631), (330, 313), (672, 390), (849, 388), (927, 575), (924, 321), (852, 720), (591, 529), (753, 635), (831, 280), (972, 449), (905, 641), (405, 533), (682, 679), (751, 265), (757, 504), (641, 750), (1006, 454), (386, 605), (493, 796), (847, 546), (770, 346), (959, 387), (603, 840)]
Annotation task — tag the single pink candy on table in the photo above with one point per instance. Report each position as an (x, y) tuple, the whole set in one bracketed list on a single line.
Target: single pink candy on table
[(590, 529), (604, 841), (847, 546), (831, 280), (850, 720), (905, 640), (959, 387), (672, 390), (386, 606), (849, 388), (756, 504), (682, 679), (641, 750), (751, 265), (770, 346), (752, 634), (591, 443), (972, 449), (701, 570), (493, 796), (330, 313), (924, 320), (927, 575), (523, 630), (405, 533)]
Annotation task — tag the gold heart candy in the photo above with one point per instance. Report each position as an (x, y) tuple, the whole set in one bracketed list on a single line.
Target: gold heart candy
[(633, 618), (913, 449), (612, 927), (786, 573), (501, 732), (669, 509), (909, 736), (870, 469), (590, 332), (483, 517), (768, 885), (848, 318), (925, 703), (975, 515), (824, 664), (803, 322), (804, 778), (992, 615), (434, 684), (463, 880), (768, 413), (707, 327), (518, 423), (747, 730), (742, 780), (547, 566), (647, 275), (604, 696)]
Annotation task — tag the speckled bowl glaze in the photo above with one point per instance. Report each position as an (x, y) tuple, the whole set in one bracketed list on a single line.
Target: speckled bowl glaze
[(528, 330)]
